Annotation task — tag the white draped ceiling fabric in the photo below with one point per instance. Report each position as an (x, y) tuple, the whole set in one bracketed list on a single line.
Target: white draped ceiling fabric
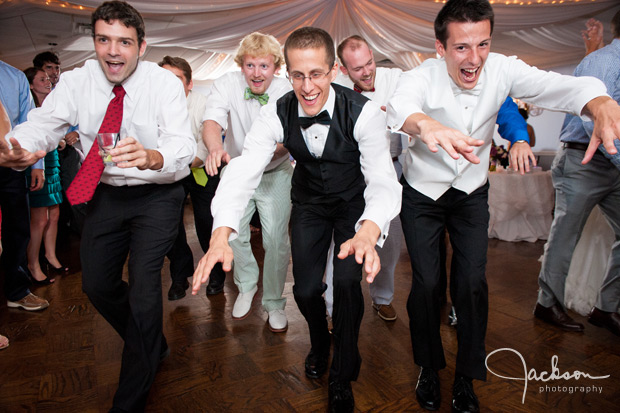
[(544, 33)]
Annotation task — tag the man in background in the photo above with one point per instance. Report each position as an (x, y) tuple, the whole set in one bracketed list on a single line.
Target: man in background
[(234, 103), (15, 103), (200, 188), (578, 189)]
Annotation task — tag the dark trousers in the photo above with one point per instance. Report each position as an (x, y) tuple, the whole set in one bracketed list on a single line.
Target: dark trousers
[(180, 255), (140, 222), (466, 218), (15, 233), (312, 227)]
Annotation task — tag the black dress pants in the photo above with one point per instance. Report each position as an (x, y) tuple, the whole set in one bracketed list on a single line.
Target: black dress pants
[(466, 218), (312, 226), (140, 222), (15, 233), (180, 255)]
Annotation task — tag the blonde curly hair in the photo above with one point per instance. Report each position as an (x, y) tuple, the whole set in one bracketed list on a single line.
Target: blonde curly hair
[(257, 45)]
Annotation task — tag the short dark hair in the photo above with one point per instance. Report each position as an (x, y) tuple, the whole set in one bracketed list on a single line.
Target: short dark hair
[(311, 38), (121, 11), (615, 25), (180, 64), (461, 11), (353, 42), (523, 113), (44, 57)]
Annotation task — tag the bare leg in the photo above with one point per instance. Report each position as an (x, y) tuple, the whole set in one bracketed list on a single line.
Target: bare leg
[(49, 236), (38, 222)]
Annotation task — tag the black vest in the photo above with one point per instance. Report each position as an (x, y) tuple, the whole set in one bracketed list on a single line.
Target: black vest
[(337, 173)]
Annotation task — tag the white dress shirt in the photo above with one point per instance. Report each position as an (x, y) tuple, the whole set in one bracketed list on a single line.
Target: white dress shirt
[(428, 89), (154, 112), (386, 80), (228, 107), (382, 194), (196, 105)]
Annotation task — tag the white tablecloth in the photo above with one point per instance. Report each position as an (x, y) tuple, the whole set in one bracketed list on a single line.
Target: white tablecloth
[(589, 263), (520, 206)]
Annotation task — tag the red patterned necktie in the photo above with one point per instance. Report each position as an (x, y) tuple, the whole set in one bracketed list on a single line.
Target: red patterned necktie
[(359, 90), (83, 186)]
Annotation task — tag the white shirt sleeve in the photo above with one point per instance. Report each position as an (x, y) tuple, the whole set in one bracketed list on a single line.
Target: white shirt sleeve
[(408, 98), (243, 174), (383, 193), (218, 105)]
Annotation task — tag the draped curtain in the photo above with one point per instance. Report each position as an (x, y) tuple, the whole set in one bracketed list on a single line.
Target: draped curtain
[(206, 33)]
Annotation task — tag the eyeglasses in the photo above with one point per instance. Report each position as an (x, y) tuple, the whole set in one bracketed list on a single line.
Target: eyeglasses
[(297, 78)]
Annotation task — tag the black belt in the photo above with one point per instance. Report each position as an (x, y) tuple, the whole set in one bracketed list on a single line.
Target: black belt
[(394, 158), (576, 145)]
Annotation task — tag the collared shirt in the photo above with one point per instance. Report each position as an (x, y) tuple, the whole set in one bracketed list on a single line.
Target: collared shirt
[(154, 112), (16, 98), (15, 93), (196, 105), (604, 64), (426, 89), (382, 194), (386, 80), (228, 107)]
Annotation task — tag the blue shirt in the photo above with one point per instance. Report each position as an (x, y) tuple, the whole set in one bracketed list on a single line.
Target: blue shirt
[(512, 126), (16, 97), (15, 93), (603, 64)]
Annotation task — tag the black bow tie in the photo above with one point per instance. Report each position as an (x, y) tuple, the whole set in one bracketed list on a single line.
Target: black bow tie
[(322, 118)]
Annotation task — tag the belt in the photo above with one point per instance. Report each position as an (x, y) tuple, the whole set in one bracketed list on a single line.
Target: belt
[(394, 158), (576, 145)]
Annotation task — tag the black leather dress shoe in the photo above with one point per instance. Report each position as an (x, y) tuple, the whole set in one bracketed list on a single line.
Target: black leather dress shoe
[(177, 290), (600, 318), (316, 364), (464, 399), (557, 316), (340, 397), (214, 289), (427, 390)]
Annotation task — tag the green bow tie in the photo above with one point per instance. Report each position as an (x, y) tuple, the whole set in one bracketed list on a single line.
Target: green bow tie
[(262, 99)]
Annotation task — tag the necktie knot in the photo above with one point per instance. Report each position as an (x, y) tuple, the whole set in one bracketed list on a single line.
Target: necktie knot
[(323, 118), (262, 99), (359, 89), (119, 91)]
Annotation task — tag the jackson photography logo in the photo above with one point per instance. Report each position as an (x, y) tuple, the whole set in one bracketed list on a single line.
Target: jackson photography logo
[(553, 377)]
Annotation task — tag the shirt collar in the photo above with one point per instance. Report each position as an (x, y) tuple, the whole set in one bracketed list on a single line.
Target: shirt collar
[(328, 106), (131, 84), (475, 91)]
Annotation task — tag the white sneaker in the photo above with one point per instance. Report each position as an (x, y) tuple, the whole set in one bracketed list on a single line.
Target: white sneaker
[(277, 321), (243, 304)]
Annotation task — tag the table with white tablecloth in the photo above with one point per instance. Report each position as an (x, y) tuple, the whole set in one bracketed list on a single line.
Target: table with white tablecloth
[(589, 263), (520, 206)]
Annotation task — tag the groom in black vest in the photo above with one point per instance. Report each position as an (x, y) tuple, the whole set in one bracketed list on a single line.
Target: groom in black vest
[(344, 185)]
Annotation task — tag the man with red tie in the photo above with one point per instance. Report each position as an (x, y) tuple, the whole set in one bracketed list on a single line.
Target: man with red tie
[(133, 206)]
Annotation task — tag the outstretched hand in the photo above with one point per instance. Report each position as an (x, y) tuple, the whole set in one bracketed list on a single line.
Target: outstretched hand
[(17, 157), (362, 245), (219, 251), (456, 143)]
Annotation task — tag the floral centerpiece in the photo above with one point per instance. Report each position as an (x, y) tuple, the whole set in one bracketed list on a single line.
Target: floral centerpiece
[(499, 157)]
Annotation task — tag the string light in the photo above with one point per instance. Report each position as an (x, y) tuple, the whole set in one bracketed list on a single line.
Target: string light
[(529, 2), (67, 5)]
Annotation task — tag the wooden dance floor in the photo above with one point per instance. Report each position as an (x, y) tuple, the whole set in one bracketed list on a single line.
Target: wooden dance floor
[(67, 358)]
